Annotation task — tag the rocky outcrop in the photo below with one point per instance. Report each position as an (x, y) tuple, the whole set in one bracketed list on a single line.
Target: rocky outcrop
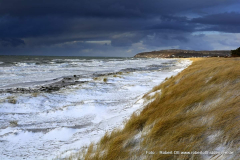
[(177, 53)]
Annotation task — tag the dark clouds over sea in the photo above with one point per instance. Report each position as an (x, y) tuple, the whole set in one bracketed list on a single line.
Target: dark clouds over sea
[(116, 27)]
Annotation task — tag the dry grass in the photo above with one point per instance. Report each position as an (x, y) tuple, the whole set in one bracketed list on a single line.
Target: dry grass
[(35, 94), (13, 123), (105, 80), (12, 99), (197, 110), (96, 78)]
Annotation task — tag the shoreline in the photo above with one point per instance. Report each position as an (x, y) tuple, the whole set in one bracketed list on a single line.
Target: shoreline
[(178, 53), (74, 115), (194, 111), (56, 84)]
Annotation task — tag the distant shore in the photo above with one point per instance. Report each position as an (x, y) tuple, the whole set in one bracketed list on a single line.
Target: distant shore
[(177, 53)]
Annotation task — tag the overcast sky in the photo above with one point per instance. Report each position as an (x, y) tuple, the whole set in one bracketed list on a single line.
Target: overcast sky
[(116, 27)]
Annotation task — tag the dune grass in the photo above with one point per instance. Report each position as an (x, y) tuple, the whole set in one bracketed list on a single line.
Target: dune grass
[(197, 110), (12, 99), (105, 79), (13, 123)]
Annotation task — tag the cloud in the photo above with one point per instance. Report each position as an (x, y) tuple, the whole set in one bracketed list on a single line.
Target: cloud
[(227, 18), (222, 22), (31, 27), (50, 26), (173, 25), (178, 40), (11, 42), (126, 39), (106, 8), (181, 39)]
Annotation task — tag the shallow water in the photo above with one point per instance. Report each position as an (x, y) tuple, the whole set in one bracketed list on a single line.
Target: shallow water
[(50, 124)]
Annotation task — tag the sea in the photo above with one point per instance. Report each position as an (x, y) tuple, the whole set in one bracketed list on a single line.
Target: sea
[(100, 94)]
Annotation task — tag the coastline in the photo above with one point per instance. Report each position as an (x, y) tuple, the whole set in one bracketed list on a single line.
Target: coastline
[(194, 113), (34, 83), (178, 53), (50, 123)]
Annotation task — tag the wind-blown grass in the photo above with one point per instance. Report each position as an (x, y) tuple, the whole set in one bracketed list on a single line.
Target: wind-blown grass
[(197, 110)]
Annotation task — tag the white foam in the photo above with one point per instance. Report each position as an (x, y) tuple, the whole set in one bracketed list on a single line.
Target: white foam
[(30, 72), (58, 134), (50, 124)]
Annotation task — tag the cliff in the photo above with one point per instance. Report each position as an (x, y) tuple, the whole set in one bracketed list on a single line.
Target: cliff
[(177, 53)]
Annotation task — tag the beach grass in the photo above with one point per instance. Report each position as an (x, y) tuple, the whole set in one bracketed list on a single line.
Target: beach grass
[(12, 99), (13, 123), (105, 79), (196, 110)]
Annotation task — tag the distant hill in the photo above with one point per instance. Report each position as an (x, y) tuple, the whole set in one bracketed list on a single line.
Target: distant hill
[(178, 53)]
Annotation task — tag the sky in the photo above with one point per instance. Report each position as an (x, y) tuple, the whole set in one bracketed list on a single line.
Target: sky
[(116, 28)]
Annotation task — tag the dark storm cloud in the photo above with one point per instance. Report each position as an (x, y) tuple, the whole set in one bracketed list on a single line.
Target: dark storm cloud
[(226, 18), (48, 25), (126, 39), (174, 25), (181, 39), (223, 28), (178, 39), (31, 27), (223, 22), (11, 42), (104, 8)]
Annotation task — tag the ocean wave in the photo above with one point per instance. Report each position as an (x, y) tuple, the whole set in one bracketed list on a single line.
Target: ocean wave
[(25, 64), (47, 69)]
